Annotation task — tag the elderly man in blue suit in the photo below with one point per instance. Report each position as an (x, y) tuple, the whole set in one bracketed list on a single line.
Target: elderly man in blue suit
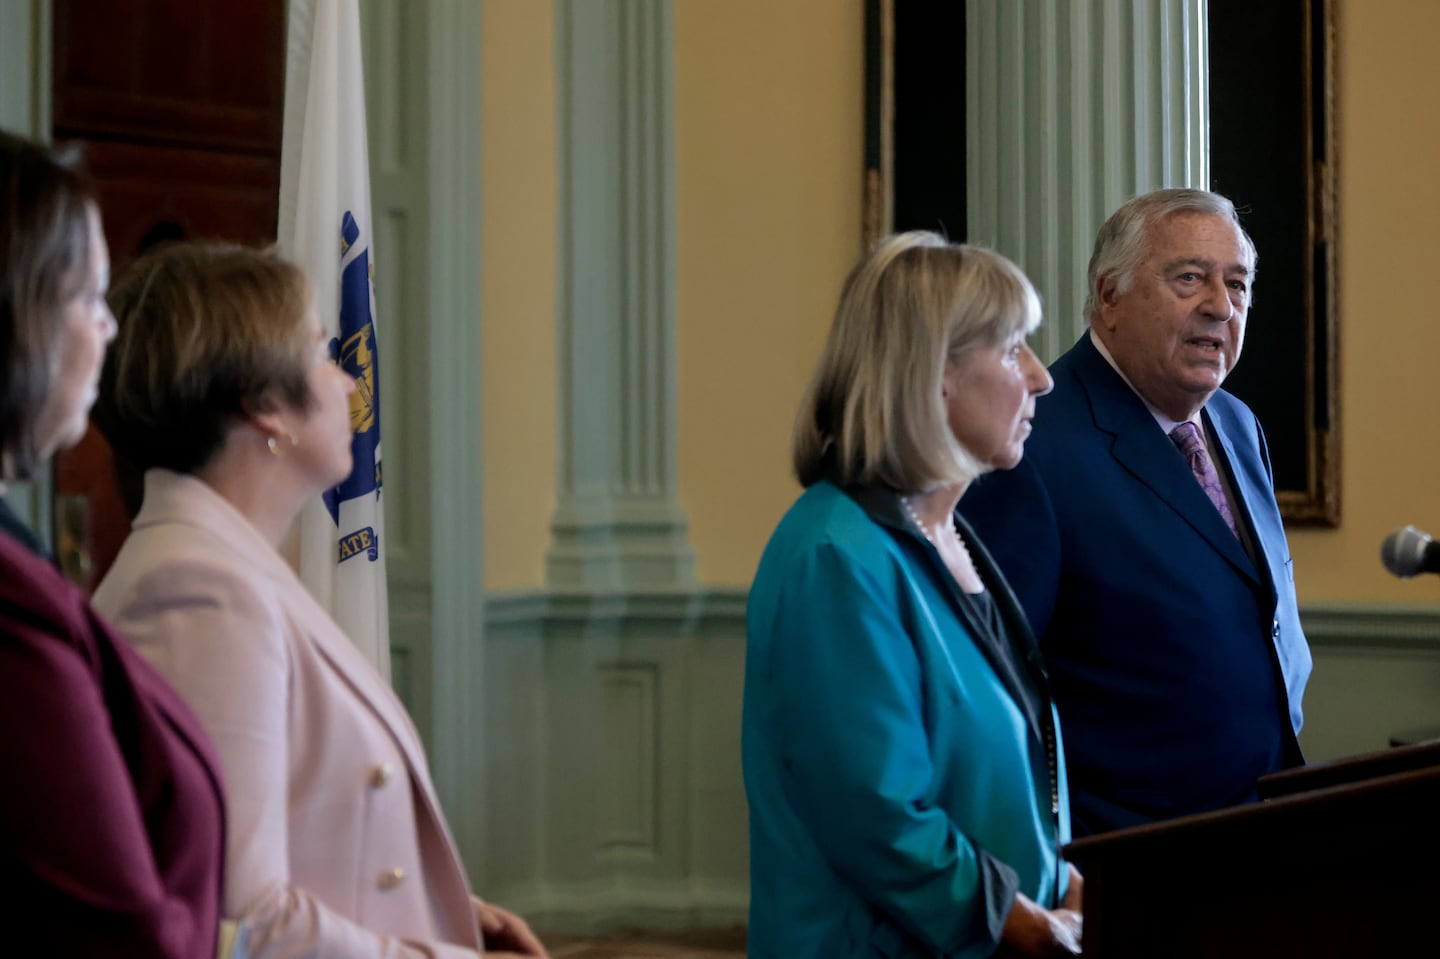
[(1142, 536)]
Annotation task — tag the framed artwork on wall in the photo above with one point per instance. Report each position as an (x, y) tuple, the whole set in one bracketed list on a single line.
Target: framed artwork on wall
[(1272, 151), (914, 118)]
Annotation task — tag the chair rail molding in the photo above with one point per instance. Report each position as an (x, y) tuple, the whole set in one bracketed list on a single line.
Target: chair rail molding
[(1376, 676), (1373, 627)]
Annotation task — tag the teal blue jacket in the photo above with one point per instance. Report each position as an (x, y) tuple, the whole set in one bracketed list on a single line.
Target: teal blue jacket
[(904, 775)]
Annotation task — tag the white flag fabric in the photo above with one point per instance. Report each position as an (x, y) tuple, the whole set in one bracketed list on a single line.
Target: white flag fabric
[(325, 226)]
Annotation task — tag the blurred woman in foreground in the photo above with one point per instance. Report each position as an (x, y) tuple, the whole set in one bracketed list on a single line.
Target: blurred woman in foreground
[(112, 819), (901, 752), (221, 388)]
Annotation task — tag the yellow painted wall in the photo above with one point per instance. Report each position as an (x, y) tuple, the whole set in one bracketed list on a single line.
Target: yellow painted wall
[(517, 236), (1389, 251), (768, 118), (768, 123)]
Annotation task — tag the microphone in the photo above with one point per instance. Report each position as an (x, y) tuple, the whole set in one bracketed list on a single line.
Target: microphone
[(1408, 551)]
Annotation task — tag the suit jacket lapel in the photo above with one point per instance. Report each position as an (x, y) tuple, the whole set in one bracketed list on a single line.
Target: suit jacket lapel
[(171, 498), (1143, 449), (357, 673)]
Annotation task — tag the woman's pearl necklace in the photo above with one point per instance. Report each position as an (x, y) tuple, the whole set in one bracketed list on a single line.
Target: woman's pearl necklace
[(915, 518)]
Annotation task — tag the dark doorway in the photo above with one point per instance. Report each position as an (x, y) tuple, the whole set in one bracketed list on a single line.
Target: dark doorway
[(180, 106)]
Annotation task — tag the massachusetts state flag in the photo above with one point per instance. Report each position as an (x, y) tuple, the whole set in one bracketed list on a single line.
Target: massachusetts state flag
[(325, 226)]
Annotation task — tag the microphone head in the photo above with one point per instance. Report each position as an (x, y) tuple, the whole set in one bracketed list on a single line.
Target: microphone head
[(1403, 552)]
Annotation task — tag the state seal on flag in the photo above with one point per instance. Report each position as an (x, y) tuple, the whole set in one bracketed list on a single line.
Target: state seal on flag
[(354, 349)]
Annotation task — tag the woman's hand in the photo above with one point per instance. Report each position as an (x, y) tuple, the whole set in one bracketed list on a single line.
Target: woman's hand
[(1031, 930), (506, 934)]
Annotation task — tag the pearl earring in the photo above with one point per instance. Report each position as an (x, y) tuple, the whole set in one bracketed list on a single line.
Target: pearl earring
[(274, 445)]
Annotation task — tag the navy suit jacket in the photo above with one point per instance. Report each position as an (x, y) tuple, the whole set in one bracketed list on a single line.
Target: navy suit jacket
[(1177, 662)]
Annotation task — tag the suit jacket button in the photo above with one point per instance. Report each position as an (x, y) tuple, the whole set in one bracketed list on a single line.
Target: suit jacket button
[(380, 775), (1275, 629), (391, 878)]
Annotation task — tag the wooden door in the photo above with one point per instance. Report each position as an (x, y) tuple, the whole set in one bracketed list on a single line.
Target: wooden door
[(180, 106)]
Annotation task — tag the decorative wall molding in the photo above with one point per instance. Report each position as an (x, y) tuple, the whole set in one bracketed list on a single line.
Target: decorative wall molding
[(1072, 107), (1374, 626), (702, 610), (552, 653), (1376, 676), (629, 759), (615, 794), (617, 523)]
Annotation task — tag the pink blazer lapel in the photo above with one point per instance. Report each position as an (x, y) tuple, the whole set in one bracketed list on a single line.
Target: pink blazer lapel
[(171, 498)]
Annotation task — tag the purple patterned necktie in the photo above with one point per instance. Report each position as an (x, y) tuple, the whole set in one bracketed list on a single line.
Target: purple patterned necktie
[(1187, 438)]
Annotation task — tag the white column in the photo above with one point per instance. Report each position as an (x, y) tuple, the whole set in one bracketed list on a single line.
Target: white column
[(1073, 106), (617, 524)]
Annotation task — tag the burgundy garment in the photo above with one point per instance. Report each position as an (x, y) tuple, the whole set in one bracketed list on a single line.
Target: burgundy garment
[(111, 812)]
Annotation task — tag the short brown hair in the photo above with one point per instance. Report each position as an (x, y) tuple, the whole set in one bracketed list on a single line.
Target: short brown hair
[(45, 203), (873, 410), (207, 333)]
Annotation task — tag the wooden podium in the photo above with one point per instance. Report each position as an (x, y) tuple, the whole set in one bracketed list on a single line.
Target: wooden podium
[(1342, 861)]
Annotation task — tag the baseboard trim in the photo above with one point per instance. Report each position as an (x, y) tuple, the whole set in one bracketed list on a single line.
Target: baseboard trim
[(594, 908)]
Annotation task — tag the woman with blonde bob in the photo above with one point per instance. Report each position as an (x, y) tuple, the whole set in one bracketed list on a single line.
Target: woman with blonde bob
[(902, 755), (221, 388)]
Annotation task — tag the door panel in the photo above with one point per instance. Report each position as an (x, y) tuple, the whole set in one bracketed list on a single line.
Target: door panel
[(179, 105)]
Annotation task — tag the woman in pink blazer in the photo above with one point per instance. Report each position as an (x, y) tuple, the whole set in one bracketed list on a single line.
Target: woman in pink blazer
[(221, 388), (111, 817)]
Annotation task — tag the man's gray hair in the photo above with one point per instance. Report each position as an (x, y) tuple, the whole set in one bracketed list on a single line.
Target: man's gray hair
[(1121, 243)]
